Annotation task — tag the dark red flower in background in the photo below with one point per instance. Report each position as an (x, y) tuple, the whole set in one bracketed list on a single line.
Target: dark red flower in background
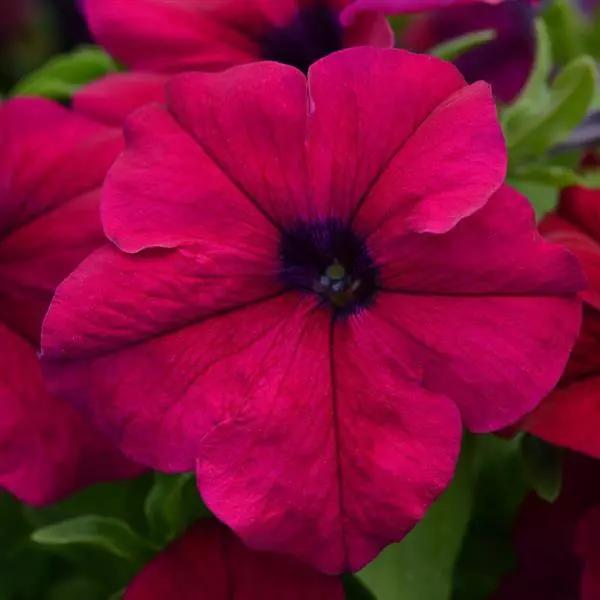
[(305, 299), (52, 164), (505, 61), (570, 416), (557, 543), (175, 35), (208, 561)]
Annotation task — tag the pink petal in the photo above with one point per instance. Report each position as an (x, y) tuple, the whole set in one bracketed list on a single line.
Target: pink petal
[(116, 299), (252, 121), (580, 206), (337, 445), (48, 155), (360, 118), (165, 190), (570, 417), (496, 357), (175, 384), (36, 256), (47, 450), (450, 166), (576, 237), (210, 560), (495, 251), (111, 99), (369, 28)]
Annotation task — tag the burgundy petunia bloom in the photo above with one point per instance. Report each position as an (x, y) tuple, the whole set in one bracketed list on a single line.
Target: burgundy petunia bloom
[(557, 543), (176, 35), (505, 62), (570, 416), (52, 163), (209, 561), (309, 289)]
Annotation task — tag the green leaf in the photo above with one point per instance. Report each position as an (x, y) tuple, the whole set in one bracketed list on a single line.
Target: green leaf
[(557, 175), (535, 91), (566, 28), (457, 46), (421, 566), (172, 504), (500, 487), (63, 75), (111, 535), (543, 467), (355, 589), (535, 129)]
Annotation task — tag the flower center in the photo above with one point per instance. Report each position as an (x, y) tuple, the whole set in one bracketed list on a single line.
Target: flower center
[(329, 259), (314, 32)]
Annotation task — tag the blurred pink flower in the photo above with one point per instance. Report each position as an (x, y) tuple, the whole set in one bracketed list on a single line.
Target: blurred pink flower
[(52, 164), (208, 561)]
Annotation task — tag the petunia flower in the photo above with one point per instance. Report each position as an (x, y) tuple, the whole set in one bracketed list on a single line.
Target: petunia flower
[(505, 62), (570, 416), (313, 285), (52, 164), (176, 35), (557, 543), (209, 560)]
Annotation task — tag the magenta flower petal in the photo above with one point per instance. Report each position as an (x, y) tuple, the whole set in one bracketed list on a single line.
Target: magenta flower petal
[(111, 99), (322, 410), (431, 197), (151, 196), (47, 450), (373, 111), (232, 116), (178, 35), (208, 557), (52, 163), (381, 449), (510, 259)]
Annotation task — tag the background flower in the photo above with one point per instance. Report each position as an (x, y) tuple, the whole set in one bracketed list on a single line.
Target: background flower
[(556, 560), (210, 558), (168, 35), (571, 415), (52, 163), (505, 62)]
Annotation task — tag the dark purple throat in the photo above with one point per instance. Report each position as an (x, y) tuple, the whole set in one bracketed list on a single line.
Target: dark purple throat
[(327, 258)]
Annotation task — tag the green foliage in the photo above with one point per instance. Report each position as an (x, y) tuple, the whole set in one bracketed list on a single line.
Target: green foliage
[(543, 467), (172, 505), (63, 75), (546, 113), (355, 589), (109, 534), (499, 487)]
